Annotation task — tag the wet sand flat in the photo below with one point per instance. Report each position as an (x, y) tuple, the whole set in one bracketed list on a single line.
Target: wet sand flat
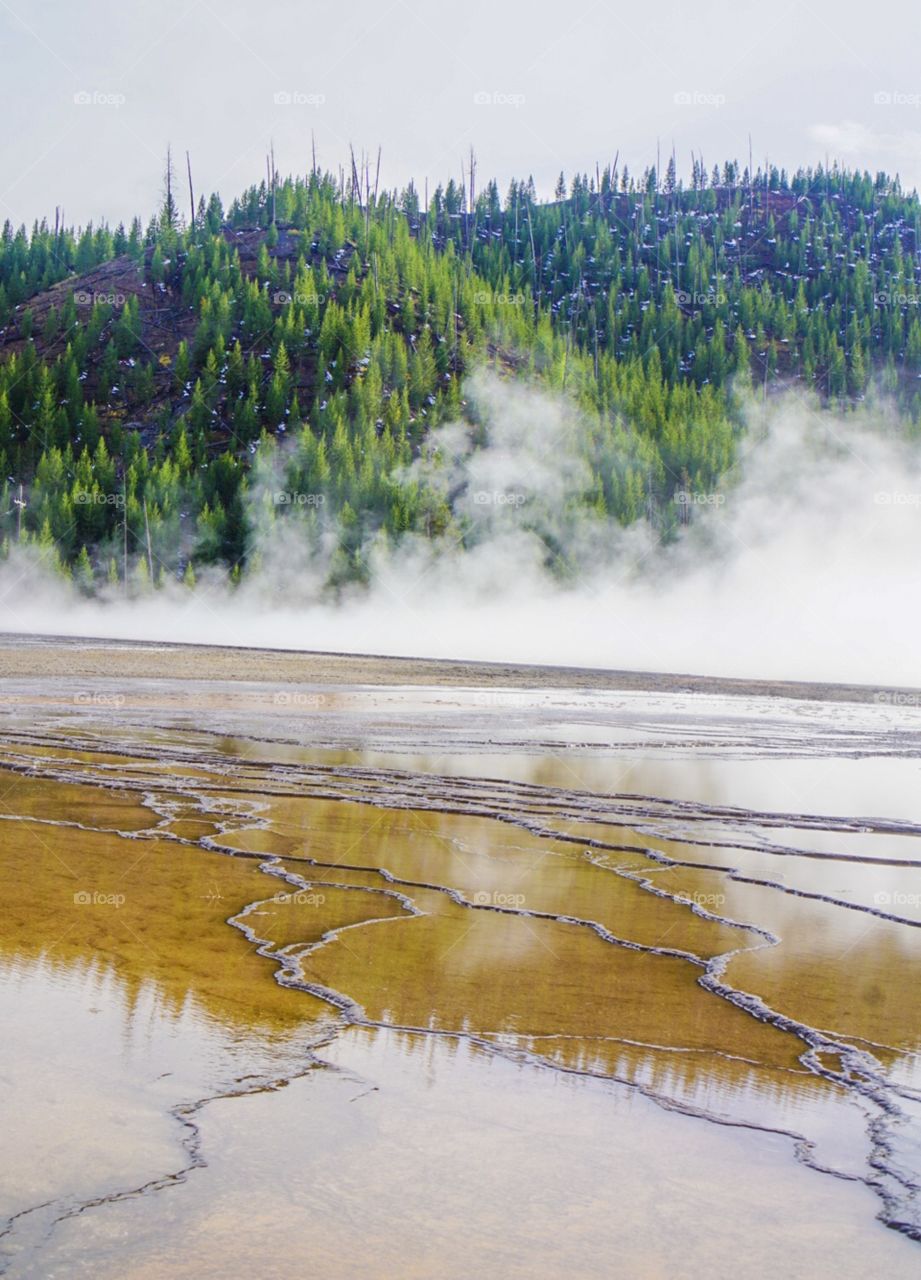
[(46, 656)]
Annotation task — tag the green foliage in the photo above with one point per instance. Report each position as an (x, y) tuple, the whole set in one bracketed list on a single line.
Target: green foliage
[(348, 331)]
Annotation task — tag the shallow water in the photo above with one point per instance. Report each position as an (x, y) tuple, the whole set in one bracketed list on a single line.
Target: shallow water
[(286, 990)]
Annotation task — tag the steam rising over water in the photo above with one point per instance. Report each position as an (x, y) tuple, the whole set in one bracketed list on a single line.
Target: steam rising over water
[(804, 565)]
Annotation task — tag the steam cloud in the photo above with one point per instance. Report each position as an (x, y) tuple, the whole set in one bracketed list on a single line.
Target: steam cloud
[(804, 565)]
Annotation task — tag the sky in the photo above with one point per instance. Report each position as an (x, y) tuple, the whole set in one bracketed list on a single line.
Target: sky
[(93, 91)]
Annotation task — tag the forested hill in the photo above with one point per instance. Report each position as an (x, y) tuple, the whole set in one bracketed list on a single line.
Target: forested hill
[(144, 371)]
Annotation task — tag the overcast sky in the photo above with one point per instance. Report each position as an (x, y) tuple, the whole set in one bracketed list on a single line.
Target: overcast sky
[(92, 91)]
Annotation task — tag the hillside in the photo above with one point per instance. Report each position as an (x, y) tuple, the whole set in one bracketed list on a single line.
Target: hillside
[(145, 373)]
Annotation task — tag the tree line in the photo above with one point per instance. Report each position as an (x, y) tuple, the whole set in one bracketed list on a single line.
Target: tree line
[(321, 332)]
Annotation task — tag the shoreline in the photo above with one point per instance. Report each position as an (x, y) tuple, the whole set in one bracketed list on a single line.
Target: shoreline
[(24, 656)]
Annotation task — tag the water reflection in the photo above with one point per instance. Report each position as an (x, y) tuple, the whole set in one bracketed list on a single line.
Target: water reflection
[(535, 932)]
